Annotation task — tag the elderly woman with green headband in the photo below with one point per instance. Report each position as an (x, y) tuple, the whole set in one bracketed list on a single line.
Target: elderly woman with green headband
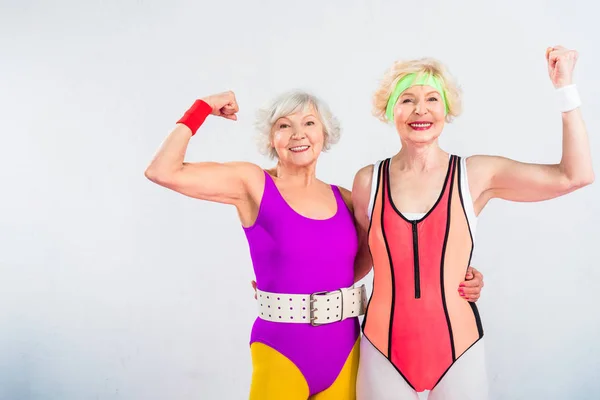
[(417, 213)]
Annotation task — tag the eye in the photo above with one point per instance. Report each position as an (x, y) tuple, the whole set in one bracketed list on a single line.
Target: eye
[(310, 123), (406, 101), (432, 99), (283, 125)]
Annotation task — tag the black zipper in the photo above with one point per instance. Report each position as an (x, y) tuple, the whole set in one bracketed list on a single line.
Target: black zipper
[(416, 257)]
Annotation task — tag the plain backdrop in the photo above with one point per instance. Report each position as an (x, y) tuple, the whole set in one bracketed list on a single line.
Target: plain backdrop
[(108, 283)]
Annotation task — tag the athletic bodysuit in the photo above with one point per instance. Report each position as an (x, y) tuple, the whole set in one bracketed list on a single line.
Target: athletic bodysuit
[(298, 255), (415, 317)]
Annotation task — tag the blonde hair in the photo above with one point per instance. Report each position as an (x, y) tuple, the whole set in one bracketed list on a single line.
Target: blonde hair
[(421, 66), (289, 103)]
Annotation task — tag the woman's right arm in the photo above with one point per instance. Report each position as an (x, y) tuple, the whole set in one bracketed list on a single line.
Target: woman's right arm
[(227, 183)]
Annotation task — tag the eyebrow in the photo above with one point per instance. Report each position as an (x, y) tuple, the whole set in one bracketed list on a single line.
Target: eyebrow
[(426, 94), (285, 117)]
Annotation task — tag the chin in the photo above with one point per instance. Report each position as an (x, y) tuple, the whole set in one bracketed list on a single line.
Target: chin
[(421, 138), (301, 160), (304, 162)]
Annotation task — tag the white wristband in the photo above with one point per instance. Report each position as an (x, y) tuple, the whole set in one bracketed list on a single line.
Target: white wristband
[(567, 98)]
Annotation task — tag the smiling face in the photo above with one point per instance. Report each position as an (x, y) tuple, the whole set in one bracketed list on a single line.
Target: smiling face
[(419, 115), (298, 138)]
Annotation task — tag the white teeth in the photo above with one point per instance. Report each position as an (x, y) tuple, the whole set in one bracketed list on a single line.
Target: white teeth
[(299, 148), (420, 125)]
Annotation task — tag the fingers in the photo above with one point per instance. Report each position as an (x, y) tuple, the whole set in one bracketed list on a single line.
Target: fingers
[(228, 112), (469, 293), (224, 104), (470, 289), (231, 107), (479, 277), (477, 281), (470, 284), (469, 275), (553, 54), (553, 57), (556, 48), (472, 298), (232, 104), (232, 117), (253, 283)]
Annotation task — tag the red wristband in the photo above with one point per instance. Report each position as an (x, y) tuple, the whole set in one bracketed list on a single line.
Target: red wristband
[(195, 116)]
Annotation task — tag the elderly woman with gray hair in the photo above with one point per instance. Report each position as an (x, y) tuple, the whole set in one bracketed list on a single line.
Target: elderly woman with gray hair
[(303, 243)]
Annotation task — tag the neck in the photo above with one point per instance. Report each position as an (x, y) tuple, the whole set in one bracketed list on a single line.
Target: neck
[(420, 157), (297, 176)]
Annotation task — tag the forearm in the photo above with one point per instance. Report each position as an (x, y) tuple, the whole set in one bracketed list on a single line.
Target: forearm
[(362, 267), (576, 162), (169, 158), (363, 263)]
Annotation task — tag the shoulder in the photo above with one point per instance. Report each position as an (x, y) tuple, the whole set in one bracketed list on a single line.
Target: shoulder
[(480, 161), (361, 188), (363, 178), (484, 167), (246, 169), (252, 176), (482, 171)]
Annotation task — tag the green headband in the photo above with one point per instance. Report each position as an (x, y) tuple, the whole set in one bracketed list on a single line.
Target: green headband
[(411, 80)]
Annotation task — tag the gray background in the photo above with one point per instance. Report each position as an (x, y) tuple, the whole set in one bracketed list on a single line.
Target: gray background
[(108, 283)]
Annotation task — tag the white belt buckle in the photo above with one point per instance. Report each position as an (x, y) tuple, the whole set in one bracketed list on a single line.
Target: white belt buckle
[(312, 310)]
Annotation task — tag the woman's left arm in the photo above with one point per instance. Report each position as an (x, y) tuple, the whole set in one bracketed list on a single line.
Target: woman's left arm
[(499, 177)]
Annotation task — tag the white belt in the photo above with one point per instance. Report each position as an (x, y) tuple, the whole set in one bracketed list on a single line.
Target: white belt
[(317, 309)]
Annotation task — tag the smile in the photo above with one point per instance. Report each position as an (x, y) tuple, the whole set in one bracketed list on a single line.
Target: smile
[(420, 126), (299, 149)]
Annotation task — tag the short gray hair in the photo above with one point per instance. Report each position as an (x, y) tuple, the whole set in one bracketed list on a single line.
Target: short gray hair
[(289, 103)]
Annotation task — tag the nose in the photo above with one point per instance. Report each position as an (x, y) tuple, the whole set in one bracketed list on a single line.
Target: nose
[(421, 108), (298, 134)]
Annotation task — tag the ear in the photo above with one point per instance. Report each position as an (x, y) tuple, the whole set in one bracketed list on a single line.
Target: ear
[(273, 152), (271, 140)]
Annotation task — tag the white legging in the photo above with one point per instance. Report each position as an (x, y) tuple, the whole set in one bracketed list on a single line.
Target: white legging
[(379, 380)]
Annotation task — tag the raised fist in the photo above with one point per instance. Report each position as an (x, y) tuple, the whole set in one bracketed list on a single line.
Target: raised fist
[(561, 62), (223, 104)]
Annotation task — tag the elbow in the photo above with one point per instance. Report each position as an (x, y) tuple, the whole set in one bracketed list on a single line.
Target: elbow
[(151, 174), (586, 180), (157, 176), (581, 181)]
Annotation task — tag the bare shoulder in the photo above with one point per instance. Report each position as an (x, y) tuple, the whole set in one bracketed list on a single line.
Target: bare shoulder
[(361, 189), (251, 174), (480, 163), (483, 167), (362, 181), (247, 167), (481, 171)]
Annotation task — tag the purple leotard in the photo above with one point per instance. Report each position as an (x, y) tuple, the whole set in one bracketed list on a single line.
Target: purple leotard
[(298, 255)]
